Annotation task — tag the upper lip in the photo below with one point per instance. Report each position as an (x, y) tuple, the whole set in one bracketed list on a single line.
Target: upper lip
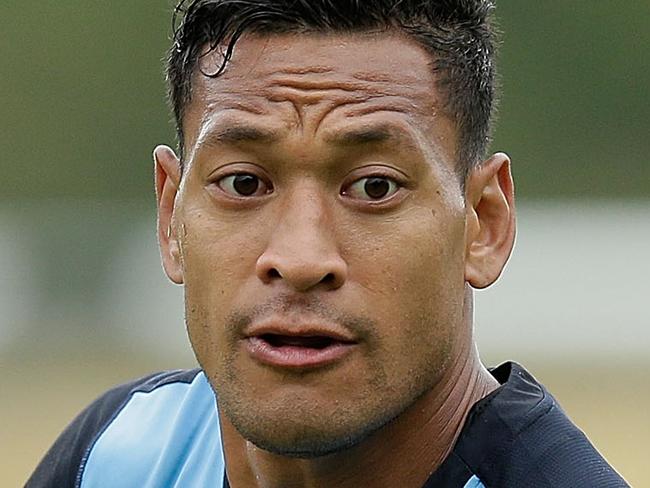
[(293, 328)]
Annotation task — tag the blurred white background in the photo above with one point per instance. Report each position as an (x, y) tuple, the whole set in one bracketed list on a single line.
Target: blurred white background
[(576, 286)]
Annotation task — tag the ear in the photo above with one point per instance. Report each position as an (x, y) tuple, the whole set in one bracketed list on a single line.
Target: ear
[(168, 178), (490, 220)]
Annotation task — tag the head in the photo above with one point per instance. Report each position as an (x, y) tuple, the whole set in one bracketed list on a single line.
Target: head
[(331, 178)]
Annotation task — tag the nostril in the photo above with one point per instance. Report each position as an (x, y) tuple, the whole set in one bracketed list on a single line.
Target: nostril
[(300, 274), (329, 278), (274, 273)]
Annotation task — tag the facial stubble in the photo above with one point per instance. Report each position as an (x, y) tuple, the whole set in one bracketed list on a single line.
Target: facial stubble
[(302, 423)]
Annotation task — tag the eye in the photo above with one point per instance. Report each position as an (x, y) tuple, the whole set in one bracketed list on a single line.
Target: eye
[(372, 188), (243, 185)]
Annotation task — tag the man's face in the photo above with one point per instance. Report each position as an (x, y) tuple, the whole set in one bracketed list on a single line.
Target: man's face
[(321, 230)]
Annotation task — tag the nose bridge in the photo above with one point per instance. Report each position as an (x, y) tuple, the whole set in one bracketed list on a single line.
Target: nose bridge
[(302, 248), (304, 225)]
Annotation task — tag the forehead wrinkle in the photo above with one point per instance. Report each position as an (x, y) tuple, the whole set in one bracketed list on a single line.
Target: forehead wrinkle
[(378, 104), (238, 103), (373, 77), (378, 87), (314, 84), (321, 84), (303, 70), (325, 97), (329, 98), (222, 97), (399, 106), (324, 77), (311, 96)]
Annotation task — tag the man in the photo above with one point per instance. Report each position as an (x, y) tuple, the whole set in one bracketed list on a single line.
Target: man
[(329, 213)]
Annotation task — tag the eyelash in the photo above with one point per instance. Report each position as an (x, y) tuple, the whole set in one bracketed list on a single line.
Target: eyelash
[(378, 175), (269, 187), (344, 192)]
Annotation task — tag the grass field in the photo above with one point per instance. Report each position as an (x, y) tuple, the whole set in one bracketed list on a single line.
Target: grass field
[(41, 393)]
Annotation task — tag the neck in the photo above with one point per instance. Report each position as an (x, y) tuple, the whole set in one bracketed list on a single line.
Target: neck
[(403, 453)]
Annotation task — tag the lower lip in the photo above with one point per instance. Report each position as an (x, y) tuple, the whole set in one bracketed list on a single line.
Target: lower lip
[(296, 357)]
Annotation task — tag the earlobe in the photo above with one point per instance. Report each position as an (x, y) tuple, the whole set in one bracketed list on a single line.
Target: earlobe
[(168, 178), (490, 221)]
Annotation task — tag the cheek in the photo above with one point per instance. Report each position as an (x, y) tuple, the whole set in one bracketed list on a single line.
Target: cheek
[(410, 268), (219, 249), (219, 257), (213, 260)]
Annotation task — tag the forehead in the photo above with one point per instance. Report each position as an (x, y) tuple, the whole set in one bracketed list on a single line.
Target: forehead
[(318, 82)]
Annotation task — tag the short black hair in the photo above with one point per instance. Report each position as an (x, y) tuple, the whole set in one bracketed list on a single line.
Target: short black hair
[(458, 33)]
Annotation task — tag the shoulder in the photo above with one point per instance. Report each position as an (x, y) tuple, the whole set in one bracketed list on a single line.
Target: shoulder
[(520, 436), (127, 425)]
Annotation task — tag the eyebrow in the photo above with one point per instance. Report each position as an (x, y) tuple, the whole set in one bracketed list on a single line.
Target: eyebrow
[(376, 134), (366, 135), (237, 134)]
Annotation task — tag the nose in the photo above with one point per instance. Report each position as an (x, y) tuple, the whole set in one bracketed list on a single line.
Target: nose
[(302, 251)]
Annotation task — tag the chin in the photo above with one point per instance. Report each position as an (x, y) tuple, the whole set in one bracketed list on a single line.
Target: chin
[(301, 429), (305, 447), (303, 440)]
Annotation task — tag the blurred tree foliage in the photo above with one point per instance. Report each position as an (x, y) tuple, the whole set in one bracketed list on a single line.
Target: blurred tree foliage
[(82, 97)]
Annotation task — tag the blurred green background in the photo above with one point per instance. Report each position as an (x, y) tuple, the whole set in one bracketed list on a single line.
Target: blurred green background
[(82, 97), (84, 303)]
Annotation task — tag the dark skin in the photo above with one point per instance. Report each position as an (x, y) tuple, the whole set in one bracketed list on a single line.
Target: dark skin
[(358, 219)]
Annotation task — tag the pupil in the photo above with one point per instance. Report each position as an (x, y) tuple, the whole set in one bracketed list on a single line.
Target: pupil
[(376, 187), (246, 184)]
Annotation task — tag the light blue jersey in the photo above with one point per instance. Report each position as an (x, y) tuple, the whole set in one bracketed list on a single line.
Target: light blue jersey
[(163, 431)]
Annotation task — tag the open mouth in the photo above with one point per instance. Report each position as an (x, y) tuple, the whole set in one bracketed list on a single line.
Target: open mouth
[(311, 342), (297, 351)]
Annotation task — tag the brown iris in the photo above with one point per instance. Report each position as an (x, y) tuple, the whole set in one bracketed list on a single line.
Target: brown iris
[(246, 184), (376, 187)]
